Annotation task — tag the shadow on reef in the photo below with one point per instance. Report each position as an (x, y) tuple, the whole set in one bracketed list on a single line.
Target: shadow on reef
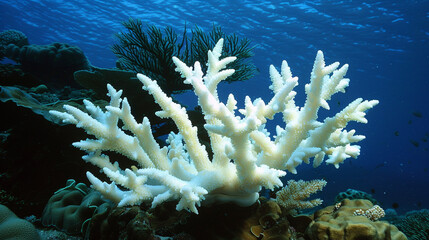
[(33, 166)]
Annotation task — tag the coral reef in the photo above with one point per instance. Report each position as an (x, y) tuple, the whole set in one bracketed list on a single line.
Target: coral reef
[(340, 222), (143, 104), (415, 224), (11, 36), (96, 79), (245, 158), (54, 63), (263, 220)]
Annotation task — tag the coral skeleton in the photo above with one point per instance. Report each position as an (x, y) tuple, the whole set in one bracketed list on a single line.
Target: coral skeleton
[(245, 157)]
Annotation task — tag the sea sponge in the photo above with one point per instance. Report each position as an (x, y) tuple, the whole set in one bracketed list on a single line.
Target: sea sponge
[(12, 227), (339, 222)]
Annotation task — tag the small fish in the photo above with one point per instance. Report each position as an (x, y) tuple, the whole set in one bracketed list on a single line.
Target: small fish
[(415, 143), (395, 205), (417, 114), (396, 133), (380, 165), (409, 121)]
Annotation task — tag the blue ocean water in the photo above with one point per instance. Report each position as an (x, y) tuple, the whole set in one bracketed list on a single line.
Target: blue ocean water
[(385, 42)]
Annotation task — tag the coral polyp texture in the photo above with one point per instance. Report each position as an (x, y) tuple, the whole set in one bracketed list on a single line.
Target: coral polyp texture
[(245, 158)]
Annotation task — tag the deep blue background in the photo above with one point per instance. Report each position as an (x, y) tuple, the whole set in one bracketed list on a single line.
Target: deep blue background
[(385, 42)]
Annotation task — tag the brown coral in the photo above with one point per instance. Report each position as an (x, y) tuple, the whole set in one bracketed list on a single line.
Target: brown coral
[(344, 224)]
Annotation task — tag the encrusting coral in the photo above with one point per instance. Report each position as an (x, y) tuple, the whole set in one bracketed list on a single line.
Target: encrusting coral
[(245, 158)]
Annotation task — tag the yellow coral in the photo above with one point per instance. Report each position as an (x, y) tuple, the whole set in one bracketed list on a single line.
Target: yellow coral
[(294, 194)]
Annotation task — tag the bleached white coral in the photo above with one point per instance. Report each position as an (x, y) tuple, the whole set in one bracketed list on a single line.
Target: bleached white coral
[(244, 158)]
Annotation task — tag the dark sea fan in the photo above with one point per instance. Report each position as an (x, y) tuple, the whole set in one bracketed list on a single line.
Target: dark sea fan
[(149, 50)]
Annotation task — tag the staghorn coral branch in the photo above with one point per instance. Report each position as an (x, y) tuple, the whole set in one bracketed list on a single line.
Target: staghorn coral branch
[(245, 158)]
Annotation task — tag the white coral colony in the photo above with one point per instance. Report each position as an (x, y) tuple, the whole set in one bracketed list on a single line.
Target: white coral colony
[(245, 158)]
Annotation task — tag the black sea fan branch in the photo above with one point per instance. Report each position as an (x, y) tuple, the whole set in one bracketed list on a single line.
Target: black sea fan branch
[(149, 50)]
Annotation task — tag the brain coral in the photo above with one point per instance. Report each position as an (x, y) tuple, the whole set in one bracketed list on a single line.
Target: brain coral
[(341, 223)]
